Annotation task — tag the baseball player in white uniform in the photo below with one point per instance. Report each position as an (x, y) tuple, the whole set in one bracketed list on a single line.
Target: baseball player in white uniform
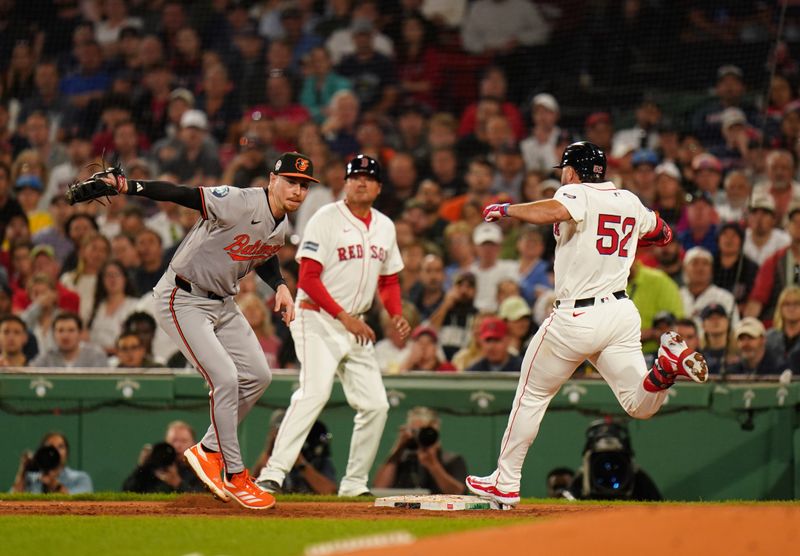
[(348, 251), (240, 230), (597, 229)]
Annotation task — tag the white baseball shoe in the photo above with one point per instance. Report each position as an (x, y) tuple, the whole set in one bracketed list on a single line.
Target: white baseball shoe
[(485, 488), (676, 358)]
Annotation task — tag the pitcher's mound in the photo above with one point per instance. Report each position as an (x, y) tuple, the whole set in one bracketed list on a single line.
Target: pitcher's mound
[(650, 530)]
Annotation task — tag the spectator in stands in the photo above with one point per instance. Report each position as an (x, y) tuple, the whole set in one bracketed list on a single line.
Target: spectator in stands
[(41, 309), (412, 119), (737, 195), (516, 313), (417, 460), (727, 272), (392, 350), (131, 353), (90, 80), (698, 290), (717, 334), (539, 148), (669, 197), (777, 272), (43, 261), (191, 153), (535, 272), (46, 96), (488, 268), (423, 353), (781, 183), (58, 478), (69, 350), (644, 163), (342, 42), (782, 338), (124, 251), (37, 132), (8, 204), (493, 86), (255, 311), (321, 84), (444, 170), (510, 171), (20, 267), (479, 177), (399, 186), (459, 248), (645, 133), (114, 299), (754, 359), (652, 291), (158, 473), (707, 176), (701, 227), (149, 247), (419, 71), (13, 337), (453, 318), (429, 293), (313, 472), (144, 325), (29, 189), (599, 129), (79, 153), (93, 254), (687, 328), (762, 238), (730, 89), (669, 259), (371, 72), (733, 153), (494, 343), (181, 436), (339, 128)]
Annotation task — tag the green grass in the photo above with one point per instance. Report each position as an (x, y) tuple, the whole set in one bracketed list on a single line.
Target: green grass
[(146, 536)]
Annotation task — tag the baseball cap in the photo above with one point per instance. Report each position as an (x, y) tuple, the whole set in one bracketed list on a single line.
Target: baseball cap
[(623, 148), (546, 100), (670, 169), (729, 69), (644, 156), (182, 94), (43, 249), (705, 161), (487, 232), (514, 308), (363, 164), (598, 118), (422, 330), (732, 225), (194, 118), (362, 26), (295, 165), (697, 253), (763, 201), (750, 326), (29, 180), (492, 328), (731, 117), (699, 195), (713, 309), (664, 317), (250, 141)]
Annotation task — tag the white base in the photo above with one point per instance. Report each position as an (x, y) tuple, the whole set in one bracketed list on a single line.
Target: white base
[(440, 503)]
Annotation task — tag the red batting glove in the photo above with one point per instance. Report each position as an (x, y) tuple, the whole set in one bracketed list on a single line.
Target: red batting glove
[(495, 211)]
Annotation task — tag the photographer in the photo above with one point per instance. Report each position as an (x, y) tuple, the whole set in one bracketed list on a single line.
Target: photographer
[(46, 471), (608, 471), (418, 461), (313, 472), (158, 473)]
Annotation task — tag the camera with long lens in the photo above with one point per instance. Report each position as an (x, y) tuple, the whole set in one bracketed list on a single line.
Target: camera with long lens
[(45, 459), (608, 469), (424, 437), (317, 446)]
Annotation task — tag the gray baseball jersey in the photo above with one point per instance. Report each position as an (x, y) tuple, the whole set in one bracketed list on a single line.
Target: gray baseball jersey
[(236, 234)]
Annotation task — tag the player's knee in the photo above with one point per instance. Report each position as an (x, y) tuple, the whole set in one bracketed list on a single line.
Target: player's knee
[(226, 382), (639, 412), (263, 377), (378, 407)]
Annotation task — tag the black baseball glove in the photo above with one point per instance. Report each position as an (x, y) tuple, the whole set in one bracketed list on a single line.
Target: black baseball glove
[(95, 187)]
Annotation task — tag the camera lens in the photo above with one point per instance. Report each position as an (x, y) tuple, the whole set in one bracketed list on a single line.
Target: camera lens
[(46, 459), (611, 473), (427, 436)]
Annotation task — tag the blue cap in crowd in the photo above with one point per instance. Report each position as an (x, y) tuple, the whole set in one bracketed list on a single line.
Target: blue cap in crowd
[(644, 156), (29, 180)]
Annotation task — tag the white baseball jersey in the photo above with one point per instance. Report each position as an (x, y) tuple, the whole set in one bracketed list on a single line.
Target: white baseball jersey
[(352, 255), (236, 234), (595, 250)]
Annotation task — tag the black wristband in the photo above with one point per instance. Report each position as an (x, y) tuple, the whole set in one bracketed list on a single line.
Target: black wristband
[(136, 187)]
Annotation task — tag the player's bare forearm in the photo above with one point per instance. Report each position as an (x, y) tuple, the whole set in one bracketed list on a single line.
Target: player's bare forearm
[(446, 483), (547, 211), (384, 478), (318, 482)]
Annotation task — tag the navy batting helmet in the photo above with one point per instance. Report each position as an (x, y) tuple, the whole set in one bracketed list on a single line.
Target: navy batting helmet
[(363, 164), (587, 159)]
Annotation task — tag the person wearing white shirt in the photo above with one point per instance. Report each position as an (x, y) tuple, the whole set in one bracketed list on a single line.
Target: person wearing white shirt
[(762, 239), (539, 149), (488, 269), (698, 291), (645, 133), (491, 25)]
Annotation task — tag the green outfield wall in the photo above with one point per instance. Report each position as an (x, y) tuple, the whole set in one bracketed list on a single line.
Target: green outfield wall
[(709, 442)]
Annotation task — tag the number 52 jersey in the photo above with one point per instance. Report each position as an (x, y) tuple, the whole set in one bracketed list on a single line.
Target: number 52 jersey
[(596, 248)]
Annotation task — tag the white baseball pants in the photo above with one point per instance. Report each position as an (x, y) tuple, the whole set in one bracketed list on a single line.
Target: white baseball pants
[(609, 335), (324, 347), (217, 339)]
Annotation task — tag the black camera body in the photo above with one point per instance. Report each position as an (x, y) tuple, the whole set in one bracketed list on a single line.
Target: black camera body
[(609, 472), (424, 437), (45, 459), (317, 446)]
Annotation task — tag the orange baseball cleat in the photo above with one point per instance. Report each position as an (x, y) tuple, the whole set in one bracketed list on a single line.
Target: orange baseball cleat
[(208, 467), (243, 488)]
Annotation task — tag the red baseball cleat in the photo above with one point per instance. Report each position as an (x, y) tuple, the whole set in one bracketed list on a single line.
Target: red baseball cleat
[(208, 468), (676, 358), (243, 488), (484, 487)]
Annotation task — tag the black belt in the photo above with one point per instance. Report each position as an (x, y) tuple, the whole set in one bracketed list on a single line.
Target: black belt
[(589, 301), (186, 286)]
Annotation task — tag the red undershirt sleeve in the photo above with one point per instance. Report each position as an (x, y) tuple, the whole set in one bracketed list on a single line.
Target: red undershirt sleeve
[(310, 281), (389, 292)]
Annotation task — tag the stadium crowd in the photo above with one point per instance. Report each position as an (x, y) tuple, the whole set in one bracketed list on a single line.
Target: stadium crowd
[(462, 104)]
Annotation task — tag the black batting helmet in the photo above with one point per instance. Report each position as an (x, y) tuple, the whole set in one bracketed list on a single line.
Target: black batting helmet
[(363, 164), (587, 159)]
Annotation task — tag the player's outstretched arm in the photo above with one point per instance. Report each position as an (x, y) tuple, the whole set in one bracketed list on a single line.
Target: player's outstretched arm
[(159, 191), (547, 211)]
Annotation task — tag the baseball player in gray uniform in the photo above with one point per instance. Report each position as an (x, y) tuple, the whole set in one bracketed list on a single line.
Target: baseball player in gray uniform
[(240, 230), (348, 251)]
